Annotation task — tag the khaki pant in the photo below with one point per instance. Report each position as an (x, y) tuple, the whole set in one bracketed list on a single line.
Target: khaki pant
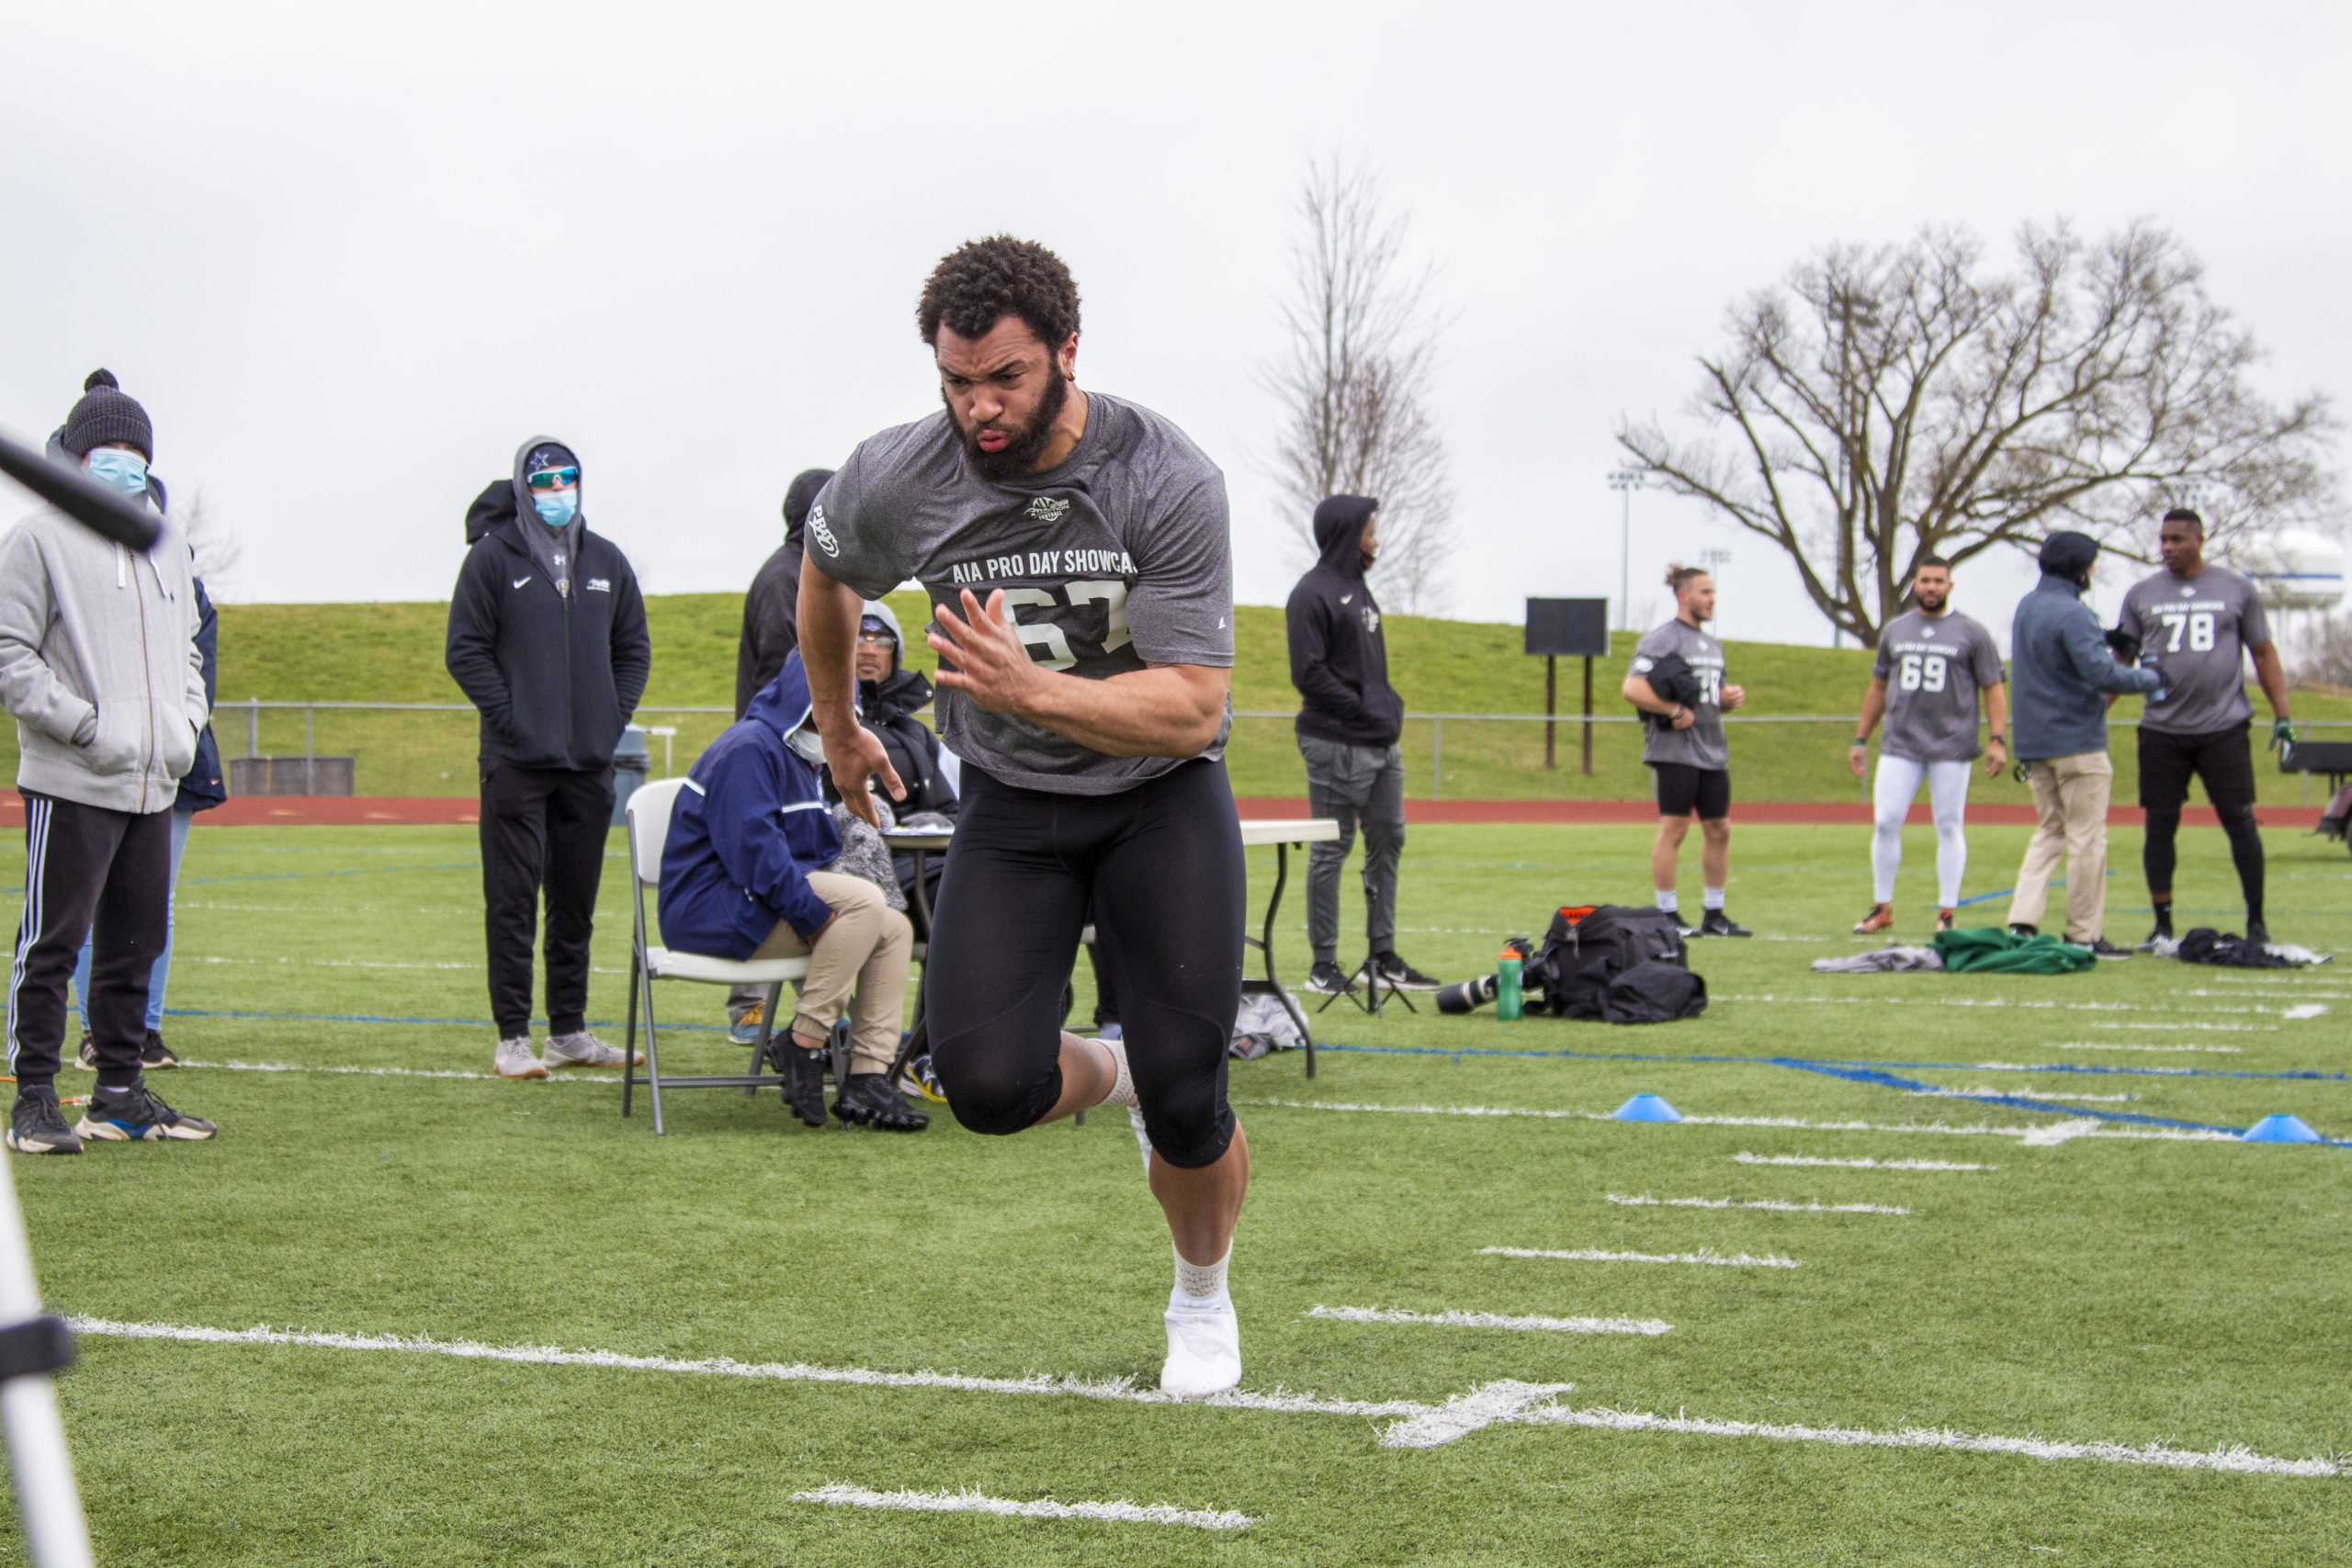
[(2070, 795), (869, 945)]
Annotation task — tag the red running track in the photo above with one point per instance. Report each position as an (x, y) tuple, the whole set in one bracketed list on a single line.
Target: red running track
[(369, 810)]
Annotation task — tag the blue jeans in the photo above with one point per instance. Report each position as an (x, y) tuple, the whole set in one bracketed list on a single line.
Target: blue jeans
[(181, 819)]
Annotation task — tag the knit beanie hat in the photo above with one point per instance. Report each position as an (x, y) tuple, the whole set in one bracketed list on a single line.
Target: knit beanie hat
[(2068, 553), (108, 413), (801, 496)]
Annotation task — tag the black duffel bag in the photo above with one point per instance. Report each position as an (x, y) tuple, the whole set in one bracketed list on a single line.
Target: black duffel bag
[(1589, 948)]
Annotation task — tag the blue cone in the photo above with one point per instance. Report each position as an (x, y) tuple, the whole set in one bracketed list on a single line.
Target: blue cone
[(1653, 1108), (2280, 1129)]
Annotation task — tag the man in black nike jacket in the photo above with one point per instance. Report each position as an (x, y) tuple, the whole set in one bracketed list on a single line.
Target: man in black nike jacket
[(1349, 719), (546, 637)]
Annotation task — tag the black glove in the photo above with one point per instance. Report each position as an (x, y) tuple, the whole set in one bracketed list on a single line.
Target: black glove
[(2123, 645)]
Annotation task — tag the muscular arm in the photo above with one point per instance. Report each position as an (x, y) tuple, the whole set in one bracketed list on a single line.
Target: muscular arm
[(1996, 707), (1168, 710), (2273, 676), (1873, 709), (853, 753), (1637, 691)]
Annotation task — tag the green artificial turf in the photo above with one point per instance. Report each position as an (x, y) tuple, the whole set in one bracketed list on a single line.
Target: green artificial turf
[(2188, 1293), (391, 653)]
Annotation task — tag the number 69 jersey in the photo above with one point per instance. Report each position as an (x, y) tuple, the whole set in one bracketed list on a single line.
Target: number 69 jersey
[(1118, 557), (2195, 631), (1933, 666)]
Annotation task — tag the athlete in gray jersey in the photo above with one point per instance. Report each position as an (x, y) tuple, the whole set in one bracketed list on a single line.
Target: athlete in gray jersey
[(1933, 665), (1677, 678), (1075, 551), (2197, 624)]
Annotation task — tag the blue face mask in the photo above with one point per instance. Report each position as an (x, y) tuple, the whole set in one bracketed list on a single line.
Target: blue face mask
[(558, 510), (126, 471)]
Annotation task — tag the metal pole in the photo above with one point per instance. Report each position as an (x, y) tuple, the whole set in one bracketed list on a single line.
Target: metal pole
[(1437, 754), (252, 726), (1625, 558), (1587, 716), (1551, 704), (46, 1498)]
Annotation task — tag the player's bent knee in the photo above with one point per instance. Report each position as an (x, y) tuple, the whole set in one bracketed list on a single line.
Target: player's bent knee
[(993, 1092), (1191, 1142)]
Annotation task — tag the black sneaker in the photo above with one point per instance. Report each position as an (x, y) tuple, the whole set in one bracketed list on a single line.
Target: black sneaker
[(804, 1078), (2102, 948), (86, 1058), (868, 1101), (36, 1127), (1398, 974), (2257, 933), (154, 1053), (1717, 923), (1327, 978), (2020, 928), (136, 1116)]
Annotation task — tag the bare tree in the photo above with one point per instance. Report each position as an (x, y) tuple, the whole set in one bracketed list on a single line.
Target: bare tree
[(2326, 654), (1883, 405), (1361, 329), (218, 553)]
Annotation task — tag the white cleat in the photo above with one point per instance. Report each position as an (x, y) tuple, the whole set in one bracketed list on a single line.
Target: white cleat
[(1204, 1352), (516, 1060)]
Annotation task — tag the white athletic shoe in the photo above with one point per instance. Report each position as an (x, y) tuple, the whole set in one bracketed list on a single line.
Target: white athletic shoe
[(584, 1050), (1204, 1352), (515, 1059)]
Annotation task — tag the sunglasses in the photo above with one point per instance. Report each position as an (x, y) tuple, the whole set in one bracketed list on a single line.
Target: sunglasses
[(879, 639), (554, 478)]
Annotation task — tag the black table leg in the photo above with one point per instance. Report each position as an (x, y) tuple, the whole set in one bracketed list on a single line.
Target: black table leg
[(1272, 985)]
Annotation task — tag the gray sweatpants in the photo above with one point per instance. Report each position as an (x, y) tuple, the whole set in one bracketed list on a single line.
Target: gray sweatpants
[(1354, 783)]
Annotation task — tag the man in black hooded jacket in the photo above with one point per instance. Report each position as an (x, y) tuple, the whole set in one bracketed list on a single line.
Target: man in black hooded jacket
[(772, 604), (1349, 719), (546, 637)]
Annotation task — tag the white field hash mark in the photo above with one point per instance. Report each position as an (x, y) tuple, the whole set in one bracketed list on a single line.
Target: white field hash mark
[(1746, 1158), (1776, 1205), (1043, 1508), (1595, 1255), (1495, 1320), (2308, 1010), (2022, 1132), (1502, 1401)]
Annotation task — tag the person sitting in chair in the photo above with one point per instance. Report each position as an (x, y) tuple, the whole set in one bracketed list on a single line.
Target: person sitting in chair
[(740, 880)]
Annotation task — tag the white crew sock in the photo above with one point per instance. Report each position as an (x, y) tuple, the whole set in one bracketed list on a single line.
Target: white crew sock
[(1713, 898), (1199, 1287), (1122, 1084), (1668, 902)]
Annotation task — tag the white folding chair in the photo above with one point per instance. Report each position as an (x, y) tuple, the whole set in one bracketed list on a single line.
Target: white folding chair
[(649, 829)]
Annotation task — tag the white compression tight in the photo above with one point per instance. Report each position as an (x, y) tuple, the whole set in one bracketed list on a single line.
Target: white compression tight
[(1897, 786)]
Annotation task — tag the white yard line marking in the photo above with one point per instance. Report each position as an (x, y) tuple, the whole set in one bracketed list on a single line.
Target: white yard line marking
[(2276, 993), (234, 1066), (2121, 1046), (1505, 1394), (2312, 1010), (475, 963), (1746, 1158), (1044, 1508), (1495, 1320), (2060, 1132), (1777, 1205), (1419, 1426), (1979, 1130), (2237, 1459), (1594, 1255), (2028, 1091)]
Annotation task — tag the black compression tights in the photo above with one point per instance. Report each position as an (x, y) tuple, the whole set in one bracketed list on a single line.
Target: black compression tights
[(2158, 856)]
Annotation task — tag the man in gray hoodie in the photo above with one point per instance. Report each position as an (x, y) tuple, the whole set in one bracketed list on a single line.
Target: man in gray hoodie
[(2061, 676), (100, 667)]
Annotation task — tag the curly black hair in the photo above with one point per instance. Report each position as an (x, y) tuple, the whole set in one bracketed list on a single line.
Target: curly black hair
[(982, 281)]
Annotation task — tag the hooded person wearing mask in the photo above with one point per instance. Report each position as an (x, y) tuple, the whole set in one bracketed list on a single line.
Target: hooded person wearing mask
[(547, 640), (1349, 719), (772, 604), (741, 880), (2062, 674)]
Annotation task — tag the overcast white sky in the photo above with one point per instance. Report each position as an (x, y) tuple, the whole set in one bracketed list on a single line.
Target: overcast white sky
[(349, 261)]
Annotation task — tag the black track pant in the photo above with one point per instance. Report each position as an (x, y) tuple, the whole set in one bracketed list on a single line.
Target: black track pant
[(102, 874), (541, 827), (1160, 866), (2223, 762)]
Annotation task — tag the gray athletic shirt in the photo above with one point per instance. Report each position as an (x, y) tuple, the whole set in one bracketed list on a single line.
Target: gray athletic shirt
[(1933, 667), (1118, 557), (2195, 631), (1701, 745)]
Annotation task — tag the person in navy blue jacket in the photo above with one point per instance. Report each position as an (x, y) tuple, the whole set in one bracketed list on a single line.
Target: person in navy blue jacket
[(742, 878)]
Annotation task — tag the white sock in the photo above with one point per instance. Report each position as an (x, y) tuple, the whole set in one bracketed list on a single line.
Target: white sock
[(1669, 902), (1123, 1086), (1143, 1140), (1199, 1287), (1712, 898)]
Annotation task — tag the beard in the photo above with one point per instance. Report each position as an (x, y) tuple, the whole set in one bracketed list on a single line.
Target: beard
[(1023, 446), (1934, 607)]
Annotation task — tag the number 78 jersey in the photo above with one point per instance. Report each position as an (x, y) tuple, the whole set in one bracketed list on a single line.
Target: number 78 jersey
[(2195, 631), (1934, 667), (1118, 558)]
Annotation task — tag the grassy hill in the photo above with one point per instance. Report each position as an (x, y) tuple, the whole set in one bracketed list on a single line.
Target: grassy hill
[(391, 653)]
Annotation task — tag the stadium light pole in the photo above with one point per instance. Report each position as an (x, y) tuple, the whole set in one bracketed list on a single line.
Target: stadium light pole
[(1624, 481)]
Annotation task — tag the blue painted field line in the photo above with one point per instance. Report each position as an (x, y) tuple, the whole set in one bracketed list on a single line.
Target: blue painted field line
[(379, 1018), (474, 864), (2092, 1070), (2003, 892)]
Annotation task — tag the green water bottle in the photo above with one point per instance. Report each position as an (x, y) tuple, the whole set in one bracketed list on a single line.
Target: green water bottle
[(1507, 996)]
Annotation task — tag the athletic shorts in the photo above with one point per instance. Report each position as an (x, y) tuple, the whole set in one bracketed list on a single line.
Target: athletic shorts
[(1682, 789), (2221, 759), (1159, 865)]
